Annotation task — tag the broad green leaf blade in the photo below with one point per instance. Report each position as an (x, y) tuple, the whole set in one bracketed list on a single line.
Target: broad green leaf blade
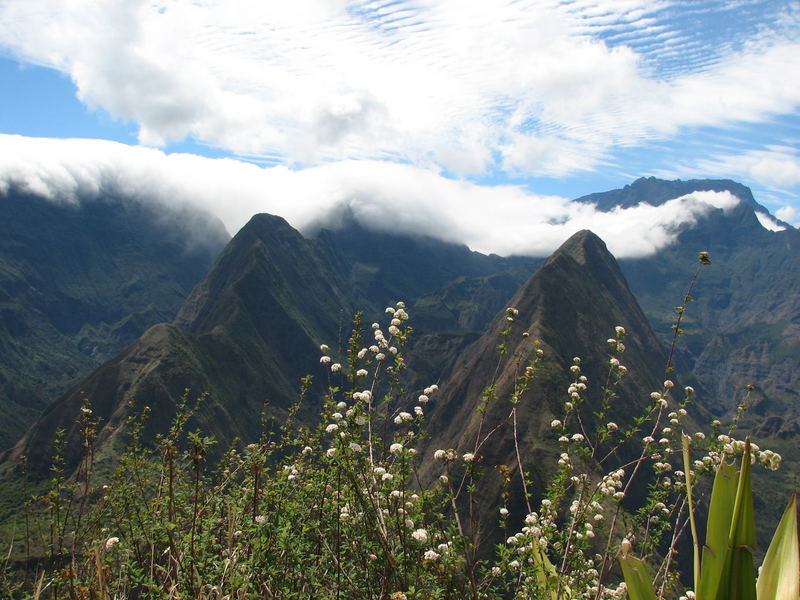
[(780, 572), (743, 526), (546, 575), (742, 580), (687, 469), (742, 538), (720, 513), (637, 578)]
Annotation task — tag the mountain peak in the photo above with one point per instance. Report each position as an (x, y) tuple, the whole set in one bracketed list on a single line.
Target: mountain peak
[(584, 247), (656, 192)]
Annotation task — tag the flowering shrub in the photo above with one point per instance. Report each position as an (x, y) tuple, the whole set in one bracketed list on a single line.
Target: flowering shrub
[(340, 510)]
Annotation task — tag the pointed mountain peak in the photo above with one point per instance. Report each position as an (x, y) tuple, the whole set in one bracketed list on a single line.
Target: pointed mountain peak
[(584, 247), (571, 305)]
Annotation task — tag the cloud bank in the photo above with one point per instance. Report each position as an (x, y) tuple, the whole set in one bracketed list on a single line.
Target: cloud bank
[(381, 195), (521, 87)]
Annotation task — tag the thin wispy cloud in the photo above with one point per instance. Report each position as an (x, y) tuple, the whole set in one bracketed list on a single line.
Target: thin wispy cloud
[(526, 88), (381, 195)]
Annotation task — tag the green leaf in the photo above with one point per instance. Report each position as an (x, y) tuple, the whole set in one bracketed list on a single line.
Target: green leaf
[(687, 468), (741, 578), (720, 513), (637, 578), (547, 578), (780, 572)]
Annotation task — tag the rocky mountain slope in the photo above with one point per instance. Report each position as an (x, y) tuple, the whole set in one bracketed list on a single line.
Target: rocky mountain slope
[(743, 325), (251, 329), (80, 281), (569, 308)]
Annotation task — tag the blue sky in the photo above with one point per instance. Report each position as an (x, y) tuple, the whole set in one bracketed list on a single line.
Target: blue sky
[(529, 98)]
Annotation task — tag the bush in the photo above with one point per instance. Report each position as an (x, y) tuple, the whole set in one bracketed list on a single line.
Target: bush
[(339, 510)]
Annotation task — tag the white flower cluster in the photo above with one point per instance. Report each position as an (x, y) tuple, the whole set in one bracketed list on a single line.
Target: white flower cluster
[(448, 455), (403, 417), (365, 395), (611, 484), (420, 535)]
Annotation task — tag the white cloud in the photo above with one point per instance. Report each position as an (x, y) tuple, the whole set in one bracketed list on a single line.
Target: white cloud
[(767, 222), (788, 214), (526, 86), (775, 166), (382, 195)]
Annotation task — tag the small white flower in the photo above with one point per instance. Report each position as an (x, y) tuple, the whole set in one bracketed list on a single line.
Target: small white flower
[(611, 426), (439, 454), (336, 367), (260, 519), (362, 353), (324, 348), (420, 535), (330, 452), (503, 511), (620, 330), (332, 427), (555, 423), (402, 418), (468, 457), (418, 411), (325, 360), (380, 356), (111, 541), (355, 447), (431, 555), (387, 477), (396, 448)]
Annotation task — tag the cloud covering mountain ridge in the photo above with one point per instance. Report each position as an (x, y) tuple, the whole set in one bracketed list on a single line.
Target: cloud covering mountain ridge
[(382, 195)]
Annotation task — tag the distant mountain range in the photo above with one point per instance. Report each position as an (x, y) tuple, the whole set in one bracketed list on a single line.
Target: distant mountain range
[(78, 286)]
